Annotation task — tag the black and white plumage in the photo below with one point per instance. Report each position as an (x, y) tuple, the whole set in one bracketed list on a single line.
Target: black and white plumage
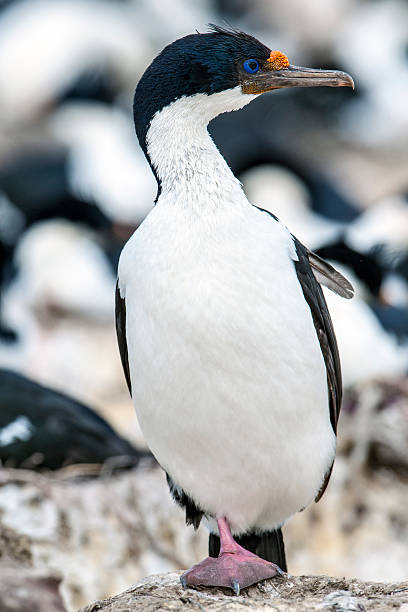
[(225, 337)]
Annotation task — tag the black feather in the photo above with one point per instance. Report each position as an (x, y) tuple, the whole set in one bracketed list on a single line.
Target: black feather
[(238, 35), (366, 266), (120, 315), (314, 297), (193, 513), (324, 328), (325, 333)]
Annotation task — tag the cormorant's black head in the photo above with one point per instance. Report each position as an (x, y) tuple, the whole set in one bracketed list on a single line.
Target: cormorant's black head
[(215, 62)]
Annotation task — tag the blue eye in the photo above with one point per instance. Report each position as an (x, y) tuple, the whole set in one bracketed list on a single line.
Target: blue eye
[(251, 66)]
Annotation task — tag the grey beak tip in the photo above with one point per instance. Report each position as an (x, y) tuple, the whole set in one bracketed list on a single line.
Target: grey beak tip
[(349, 82)]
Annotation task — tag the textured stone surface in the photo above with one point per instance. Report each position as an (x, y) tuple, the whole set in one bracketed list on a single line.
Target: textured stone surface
[(300, 593), (29, 590), (22, 587), (99, 535)]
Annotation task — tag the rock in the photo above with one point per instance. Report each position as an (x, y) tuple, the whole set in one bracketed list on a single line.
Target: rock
[(29, 590), (289, 594), (23, 588), (14, 547), (100, 535)]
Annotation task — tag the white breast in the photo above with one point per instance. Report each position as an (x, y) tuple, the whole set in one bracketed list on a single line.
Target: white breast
[(228, 379)]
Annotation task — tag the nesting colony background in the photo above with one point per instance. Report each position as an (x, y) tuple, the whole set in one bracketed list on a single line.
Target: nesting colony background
[(331, 163)]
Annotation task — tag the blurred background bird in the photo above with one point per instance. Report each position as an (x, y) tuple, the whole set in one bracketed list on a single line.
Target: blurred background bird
[(333, 167)]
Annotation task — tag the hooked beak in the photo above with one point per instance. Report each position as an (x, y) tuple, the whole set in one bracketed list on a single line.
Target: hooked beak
[(294, 76)]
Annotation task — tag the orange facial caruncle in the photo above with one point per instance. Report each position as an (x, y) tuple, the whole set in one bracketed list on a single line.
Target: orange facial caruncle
[(278, 60)]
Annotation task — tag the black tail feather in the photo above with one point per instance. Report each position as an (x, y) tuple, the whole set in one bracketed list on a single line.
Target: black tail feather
[(268, 545)]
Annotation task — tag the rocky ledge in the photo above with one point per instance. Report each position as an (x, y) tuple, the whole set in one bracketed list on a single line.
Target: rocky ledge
[(287, 594)]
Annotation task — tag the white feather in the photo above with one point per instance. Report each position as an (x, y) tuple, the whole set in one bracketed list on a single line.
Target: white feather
[(19, 429)]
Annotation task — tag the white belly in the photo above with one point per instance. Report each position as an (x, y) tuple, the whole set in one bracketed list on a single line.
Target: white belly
[(228, 379)]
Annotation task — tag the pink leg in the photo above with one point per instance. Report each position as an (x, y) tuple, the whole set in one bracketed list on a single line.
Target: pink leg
[(234, 567)]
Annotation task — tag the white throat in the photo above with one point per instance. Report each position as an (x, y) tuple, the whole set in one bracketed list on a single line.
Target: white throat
[(186, 160)]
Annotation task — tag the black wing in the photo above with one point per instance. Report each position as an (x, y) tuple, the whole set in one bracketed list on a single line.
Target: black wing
[(307, 266), (328, 276), (120, 313), (323, 272), (313, 294)]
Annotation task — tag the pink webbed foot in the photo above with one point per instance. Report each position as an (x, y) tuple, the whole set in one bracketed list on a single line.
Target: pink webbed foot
[(230, 570), (234, 568)]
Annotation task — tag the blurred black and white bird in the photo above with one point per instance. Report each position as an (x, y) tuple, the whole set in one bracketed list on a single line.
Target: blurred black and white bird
[(84, 36), (370, 333), (254, 139), (44, 218), (225, 337), (43, 429)]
